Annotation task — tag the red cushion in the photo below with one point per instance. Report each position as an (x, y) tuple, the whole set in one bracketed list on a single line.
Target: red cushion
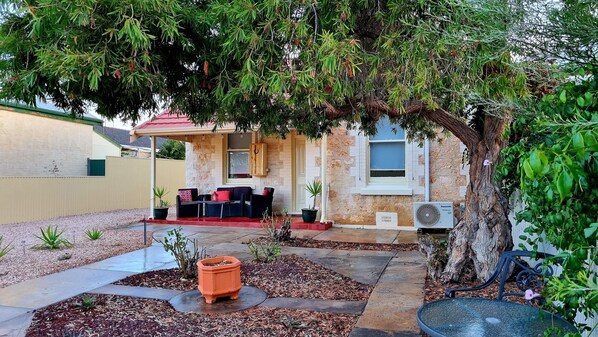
[(222, 195), (265, 192), (185, 196)]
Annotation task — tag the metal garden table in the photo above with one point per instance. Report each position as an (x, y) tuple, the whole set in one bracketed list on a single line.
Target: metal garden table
[(478, 317)]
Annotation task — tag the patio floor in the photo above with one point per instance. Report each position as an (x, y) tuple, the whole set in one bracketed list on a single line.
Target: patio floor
[(398, 276)]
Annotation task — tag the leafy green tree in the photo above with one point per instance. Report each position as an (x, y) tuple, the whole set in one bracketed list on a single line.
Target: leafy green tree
[(553, 161), (172, 149), (306, 64)]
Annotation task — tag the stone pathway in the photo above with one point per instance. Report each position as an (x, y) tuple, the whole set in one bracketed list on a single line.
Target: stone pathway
[(390, 311)]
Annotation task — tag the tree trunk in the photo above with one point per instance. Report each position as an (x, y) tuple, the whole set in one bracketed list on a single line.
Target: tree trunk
[(485, 231)]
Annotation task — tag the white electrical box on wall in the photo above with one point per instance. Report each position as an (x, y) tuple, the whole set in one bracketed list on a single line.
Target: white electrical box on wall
[(387, 220)]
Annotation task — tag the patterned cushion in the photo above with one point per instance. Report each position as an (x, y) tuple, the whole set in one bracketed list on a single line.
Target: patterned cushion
[(265, 192), (222, 195), (185, 196)]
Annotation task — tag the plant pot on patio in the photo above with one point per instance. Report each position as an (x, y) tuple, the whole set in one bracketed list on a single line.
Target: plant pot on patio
[(219, 277), (160, 213), (309, 215)]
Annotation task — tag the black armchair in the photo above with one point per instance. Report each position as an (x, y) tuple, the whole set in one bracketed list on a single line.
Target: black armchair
[(260, 203), (184, 209)]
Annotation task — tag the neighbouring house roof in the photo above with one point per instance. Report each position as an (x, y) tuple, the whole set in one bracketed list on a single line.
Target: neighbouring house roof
[(122, 137), (172, 125), (47, 109)]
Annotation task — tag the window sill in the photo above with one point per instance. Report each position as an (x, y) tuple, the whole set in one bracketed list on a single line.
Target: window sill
[(386, 190)]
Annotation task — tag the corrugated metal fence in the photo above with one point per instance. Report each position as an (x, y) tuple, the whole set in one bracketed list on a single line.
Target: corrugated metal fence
[(126, 185)]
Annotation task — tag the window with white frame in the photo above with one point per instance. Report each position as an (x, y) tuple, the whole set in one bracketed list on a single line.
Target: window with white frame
[(387, 154), (237, 156)]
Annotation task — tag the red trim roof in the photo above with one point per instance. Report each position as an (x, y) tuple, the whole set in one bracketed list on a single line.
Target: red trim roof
[(170, 120)]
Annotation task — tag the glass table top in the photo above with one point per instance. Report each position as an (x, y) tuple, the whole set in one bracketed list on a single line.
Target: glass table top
[(477, 317)]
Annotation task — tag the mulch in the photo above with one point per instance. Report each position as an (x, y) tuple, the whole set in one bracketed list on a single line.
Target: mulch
[(310, 243), (116, 316), (286, 276), (434, 290)]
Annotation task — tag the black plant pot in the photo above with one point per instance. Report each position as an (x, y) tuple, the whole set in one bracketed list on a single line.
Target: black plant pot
[(309, 215), (160, 213)]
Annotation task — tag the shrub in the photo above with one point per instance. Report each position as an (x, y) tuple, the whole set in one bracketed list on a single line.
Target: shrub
[(436, 254), (71, 332), (186, 259), (264, 252), (51, 239), (270, 224), (94, 234), (87, 302), (4, 249)]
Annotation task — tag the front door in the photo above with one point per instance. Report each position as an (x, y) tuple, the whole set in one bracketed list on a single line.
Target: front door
[(299, 174)]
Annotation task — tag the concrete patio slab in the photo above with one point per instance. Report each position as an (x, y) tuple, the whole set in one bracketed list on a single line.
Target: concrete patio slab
[(398, 294), (407, 237), (143, 292), (17, 326), (7, 313), (192, 301), (363, 269), (358, 235), (336, 306), (136, 261), (49, 289)]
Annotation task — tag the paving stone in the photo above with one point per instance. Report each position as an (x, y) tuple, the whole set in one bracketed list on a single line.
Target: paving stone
[(17, 326), (137, 261), (49, 289), (358, 235), (363, 269), (336, 306), (8, 313), (192, 301), (143, 292)]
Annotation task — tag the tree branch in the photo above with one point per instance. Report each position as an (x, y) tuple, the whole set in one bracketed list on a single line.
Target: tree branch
[(376, 108)]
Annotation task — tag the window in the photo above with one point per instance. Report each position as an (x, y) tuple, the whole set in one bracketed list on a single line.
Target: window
[(387, 153), (237, 155)]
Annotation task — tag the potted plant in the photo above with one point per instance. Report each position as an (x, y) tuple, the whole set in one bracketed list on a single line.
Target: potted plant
[(314, 189), (161, 210), (219, 277)]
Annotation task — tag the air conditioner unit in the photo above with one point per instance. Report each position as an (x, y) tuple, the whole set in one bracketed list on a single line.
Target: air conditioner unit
[(433, 215)]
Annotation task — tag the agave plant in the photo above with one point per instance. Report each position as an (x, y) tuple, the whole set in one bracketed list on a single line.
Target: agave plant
[(51, 239), (4, 249), (94, 234)]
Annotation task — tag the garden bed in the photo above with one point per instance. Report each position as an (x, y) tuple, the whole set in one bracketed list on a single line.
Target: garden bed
[(310, 243), (286, 276)]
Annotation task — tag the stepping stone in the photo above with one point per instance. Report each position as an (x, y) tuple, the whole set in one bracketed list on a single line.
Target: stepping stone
[(8, 313), (335, 306), (17, 326), (143, 292), (192, 301)]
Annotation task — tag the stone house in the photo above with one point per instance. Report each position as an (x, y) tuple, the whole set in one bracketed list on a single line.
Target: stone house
[(365, 176)]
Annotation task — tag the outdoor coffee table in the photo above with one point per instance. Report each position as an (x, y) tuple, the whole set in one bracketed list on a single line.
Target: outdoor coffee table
[(210, 202), (469, 317)]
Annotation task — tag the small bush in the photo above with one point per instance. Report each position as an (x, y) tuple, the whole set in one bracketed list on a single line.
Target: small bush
[(270, 224), (4, 249), (186, 259), (436, 254), (71, 332), (51, 239), (264, 252), (94, 234), (87, 302)]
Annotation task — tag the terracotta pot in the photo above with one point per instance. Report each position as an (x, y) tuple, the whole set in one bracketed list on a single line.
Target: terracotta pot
[(219, 281)]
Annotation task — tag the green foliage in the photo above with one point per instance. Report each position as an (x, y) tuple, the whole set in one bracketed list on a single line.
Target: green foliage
[(172, 149), (186, 257), (51, 239), (160, 192), (94, 234), (4, 249), (264, 251), (87, 302), (271, 224), (314, 188), (553, 160)]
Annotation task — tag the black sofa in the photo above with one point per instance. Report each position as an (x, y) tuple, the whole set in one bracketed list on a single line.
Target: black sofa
[(185, 210), (239, 193), (260, 203)]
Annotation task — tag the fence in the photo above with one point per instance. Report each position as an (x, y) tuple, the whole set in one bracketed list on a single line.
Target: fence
[(125, 186)]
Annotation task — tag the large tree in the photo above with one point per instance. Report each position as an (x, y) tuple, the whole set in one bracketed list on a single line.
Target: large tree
[(305, 64)]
